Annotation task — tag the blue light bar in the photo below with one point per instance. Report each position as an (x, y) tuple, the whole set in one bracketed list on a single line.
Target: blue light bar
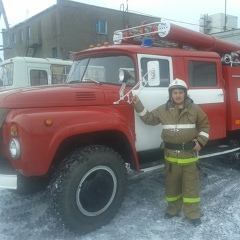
[(147, 42)]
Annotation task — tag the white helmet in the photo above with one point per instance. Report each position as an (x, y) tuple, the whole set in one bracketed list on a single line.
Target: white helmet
[(177, 83)]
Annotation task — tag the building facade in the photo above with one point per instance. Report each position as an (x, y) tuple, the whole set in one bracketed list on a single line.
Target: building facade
[(221, 26), (67, 27), (230, 36), (215, 23)]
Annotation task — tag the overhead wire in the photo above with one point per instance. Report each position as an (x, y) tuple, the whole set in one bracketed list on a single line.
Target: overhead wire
[(177, 21)]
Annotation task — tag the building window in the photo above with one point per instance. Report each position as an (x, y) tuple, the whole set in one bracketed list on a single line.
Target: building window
[(202, 74), (14, 38), (20, 35), (8, 40), (28, 32), (101, 27), (54, 52)]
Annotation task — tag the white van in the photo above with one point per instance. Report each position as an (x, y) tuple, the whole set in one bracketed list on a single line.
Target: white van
[(27, 71)]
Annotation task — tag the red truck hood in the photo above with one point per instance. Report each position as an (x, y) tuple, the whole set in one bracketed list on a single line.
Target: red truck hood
[(54, 96)]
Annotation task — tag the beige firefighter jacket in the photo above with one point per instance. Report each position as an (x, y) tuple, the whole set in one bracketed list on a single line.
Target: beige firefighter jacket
[(179, 126)]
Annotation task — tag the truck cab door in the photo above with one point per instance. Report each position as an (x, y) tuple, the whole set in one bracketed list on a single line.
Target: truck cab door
[(149, 137)]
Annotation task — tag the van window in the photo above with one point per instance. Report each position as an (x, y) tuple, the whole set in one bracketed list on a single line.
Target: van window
[(59, 73), (202, 74), (38, 77), (6, 74)]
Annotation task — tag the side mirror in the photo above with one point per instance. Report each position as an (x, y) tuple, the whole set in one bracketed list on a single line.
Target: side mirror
[(153, 73)]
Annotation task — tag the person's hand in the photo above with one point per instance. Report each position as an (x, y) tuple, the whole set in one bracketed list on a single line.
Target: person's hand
[(197, 146), (135, 99)]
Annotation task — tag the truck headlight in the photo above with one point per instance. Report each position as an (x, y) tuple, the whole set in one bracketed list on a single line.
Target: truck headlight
[(14, 148)]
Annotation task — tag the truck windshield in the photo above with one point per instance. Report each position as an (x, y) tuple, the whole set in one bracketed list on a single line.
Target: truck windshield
[(6, 74), (103, 69)]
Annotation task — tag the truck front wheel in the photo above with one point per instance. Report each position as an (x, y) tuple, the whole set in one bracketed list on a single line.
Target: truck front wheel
[(89, 188)]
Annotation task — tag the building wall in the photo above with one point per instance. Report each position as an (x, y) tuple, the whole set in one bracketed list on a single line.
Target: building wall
[(67, 27), (230, 36), (210, 24), (42, 32), (215, 25)]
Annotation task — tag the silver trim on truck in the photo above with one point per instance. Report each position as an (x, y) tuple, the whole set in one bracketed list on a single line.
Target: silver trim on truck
[(8, 181)]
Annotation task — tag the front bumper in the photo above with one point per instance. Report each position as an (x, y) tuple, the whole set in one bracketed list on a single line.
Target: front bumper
[(8, 181), (8, 177)]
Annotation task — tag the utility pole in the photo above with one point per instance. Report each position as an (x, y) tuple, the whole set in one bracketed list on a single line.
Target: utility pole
[(3, 13), (225, 17), (125, 14), (127, 17)]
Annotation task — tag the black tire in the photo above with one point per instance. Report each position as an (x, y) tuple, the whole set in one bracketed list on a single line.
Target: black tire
[(89, 188)]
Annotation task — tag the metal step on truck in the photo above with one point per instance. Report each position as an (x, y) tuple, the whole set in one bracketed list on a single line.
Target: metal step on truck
[(81, 138)]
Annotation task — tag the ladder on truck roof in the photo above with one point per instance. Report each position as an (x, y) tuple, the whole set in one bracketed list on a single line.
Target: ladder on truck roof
[(155, 31), (166, 34)]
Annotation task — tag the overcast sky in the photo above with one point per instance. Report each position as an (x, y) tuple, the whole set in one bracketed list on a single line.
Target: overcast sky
[(187, 11)]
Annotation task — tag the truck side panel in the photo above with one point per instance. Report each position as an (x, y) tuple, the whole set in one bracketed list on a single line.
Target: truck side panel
[(204, 78), (231, 76), (66, 123)]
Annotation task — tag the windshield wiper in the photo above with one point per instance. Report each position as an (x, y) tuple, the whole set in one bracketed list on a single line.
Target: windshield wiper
[(73, 81), (90, 79)]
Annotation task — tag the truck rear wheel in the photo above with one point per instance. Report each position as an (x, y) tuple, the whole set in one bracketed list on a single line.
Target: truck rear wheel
[(89, 188)]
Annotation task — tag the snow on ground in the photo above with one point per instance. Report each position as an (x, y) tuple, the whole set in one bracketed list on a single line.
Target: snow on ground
[(141, 215)]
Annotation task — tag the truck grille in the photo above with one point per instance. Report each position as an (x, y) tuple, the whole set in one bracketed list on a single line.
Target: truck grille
[(85, 96)]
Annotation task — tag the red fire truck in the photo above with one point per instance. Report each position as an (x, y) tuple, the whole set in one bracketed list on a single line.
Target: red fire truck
[(83, 136)]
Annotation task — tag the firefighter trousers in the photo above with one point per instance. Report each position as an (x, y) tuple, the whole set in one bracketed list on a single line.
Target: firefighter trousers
[(183, 189)]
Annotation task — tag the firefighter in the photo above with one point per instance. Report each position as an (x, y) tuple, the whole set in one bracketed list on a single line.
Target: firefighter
[(185, 132)]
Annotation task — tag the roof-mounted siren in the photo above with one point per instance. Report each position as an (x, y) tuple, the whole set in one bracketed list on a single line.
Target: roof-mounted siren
[(147, 42)]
